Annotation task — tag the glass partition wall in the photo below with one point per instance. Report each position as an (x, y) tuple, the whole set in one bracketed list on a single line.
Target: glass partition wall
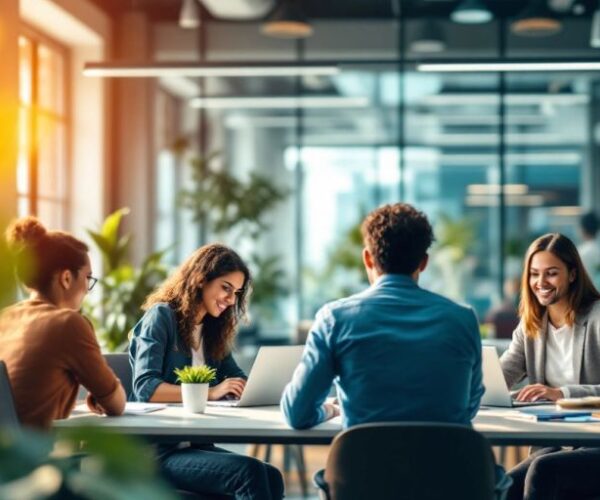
[(493, 159)]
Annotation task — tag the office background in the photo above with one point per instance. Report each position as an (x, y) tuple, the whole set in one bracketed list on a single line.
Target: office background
[(494, 158)]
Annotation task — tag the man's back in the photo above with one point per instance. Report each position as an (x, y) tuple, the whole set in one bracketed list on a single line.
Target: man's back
[(397, 353)]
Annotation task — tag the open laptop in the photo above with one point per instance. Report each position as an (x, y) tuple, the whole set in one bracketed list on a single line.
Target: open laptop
[(496, 390), (271, 371)]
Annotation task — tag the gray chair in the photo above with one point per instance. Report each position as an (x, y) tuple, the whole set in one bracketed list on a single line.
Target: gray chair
[(119, 363), (408, 461), (8, 413)]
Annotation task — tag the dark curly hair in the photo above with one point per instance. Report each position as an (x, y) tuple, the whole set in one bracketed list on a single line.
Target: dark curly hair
[(38, 253), (183, 292), (397, 236)]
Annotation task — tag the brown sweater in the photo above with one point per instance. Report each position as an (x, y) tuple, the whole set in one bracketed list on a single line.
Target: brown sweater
[(48, 352)]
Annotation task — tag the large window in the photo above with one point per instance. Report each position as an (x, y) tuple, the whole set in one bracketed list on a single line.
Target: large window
[(42, 172), (493, 159)]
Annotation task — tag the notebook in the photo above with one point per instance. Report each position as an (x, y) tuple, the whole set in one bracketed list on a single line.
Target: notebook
[(496, 390), (272, 370)]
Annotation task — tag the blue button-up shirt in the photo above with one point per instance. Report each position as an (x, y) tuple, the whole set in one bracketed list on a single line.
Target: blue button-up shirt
[(396, 352)]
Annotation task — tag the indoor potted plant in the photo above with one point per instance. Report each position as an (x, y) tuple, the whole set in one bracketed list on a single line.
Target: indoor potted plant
[(194, 386)]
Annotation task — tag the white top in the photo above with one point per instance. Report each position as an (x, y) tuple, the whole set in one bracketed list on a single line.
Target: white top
[(560, 369), (198, 354), (589, 251)]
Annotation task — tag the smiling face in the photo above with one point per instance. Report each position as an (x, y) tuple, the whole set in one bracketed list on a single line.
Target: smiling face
[(549, 279), (221, 293)]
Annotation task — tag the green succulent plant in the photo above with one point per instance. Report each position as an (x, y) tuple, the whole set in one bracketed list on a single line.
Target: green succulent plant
[(201, 374)]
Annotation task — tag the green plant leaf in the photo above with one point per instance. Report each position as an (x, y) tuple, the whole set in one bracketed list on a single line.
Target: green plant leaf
[(112, 223), (202, 374)]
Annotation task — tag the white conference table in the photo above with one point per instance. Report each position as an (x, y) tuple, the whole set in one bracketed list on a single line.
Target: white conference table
[(266, 425)]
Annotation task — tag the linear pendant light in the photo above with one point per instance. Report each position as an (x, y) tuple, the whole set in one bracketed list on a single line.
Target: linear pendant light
[(279, 102), (195, 69), (507, 66)]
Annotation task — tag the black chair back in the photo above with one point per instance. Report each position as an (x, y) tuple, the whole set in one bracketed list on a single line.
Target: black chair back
[(119, 362), (410, 461), (8, 412)]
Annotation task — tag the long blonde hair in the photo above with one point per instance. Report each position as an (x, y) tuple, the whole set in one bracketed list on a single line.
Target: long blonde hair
[(183, 292), (582, 292)]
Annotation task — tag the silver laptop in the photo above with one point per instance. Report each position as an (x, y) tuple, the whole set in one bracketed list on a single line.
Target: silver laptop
[(496, 390), (271, 371)]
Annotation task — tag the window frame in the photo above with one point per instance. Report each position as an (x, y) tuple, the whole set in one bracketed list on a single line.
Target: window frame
[(33, 197)]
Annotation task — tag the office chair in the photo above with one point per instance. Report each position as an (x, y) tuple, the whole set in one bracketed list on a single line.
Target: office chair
[(8, 412), (119, 363), (408, 461)]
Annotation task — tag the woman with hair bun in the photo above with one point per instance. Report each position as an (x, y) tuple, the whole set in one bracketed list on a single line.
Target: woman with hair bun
[(49, 348)]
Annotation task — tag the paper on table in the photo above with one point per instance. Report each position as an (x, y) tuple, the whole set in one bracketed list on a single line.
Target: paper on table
[(134, 408), (585, 402)]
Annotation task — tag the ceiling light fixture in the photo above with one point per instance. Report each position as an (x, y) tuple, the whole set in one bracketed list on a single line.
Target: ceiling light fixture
[(494, 189), (507, 66), (536, 20), (429, 39), (279, 102), (288, 20), (471, 12), (194, 69), (189, 16)]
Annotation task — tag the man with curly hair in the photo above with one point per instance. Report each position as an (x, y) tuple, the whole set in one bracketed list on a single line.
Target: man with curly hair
[(395, 351)]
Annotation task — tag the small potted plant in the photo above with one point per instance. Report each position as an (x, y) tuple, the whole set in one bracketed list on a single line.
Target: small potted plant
[(194, 386)]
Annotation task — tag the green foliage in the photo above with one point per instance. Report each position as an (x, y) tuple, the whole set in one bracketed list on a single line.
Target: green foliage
[(123, 286), (455, 235), (269, 282), (8, 285), (224, 202), (348, 253), (202, 374), (111, 467)]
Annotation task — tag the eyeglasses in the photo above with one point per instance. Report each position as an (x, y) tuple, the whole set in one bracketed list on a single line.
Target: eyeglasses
[(91, 282)]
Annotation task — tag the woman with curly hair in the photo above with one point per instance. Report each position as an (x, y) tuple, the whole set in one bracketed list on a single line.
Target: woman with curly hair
[(191, 320)]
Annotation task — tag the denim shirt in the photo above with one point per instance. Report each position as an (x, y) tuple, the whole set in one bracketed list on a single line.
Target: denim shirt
[(156, 350), (396, 352)]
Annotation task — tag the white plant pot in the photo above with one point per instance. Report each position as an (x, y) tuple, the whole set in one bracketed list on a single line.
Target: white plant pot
[(194, 397)]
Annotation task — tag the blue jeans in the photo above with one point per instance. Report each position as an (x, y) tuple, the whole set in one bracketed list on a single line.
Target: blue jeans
[(208, 469)]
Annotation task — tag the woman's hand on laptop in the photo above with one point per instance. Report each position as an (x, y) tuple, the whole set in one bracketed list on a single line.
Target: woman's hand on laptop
[(537, 392), (229, 386)]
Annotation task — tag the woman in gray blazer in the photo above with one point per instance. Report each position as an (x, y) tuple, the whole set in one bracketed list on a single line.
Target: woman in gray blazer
[(557, 347)]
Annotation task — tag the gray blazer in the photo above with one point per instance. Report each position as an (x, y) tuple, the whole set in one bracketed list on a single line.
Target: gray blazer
[(526, 357)]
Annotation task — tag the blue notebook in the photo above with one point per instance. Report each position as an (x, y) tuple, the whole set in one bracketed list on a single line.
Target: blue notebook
[(547, 414)]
